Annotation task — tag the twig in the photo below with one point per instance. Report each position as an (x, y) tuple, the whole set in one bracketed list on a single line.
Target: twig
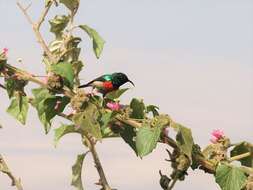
[(44, 14), (24, 10), (129, 121), (25, 75), (239, 157), (36, 27), (172, 184), (5, 169), (28, 76), (103, 181), (2, 86), (247, 170)]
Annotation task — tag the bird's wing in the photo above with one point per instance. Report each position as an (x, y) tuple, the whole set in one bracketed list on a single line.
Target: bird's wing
[(103, 78)]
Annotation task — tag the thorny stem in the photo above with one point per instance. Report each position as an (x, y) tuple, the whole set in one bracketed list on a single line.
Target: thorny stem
[(91, 145), (103, 181), (5, 169)]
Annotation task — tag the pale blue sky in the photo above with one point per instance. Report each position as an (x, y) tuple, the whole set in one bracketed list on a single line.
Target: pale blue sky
[(192, 58)]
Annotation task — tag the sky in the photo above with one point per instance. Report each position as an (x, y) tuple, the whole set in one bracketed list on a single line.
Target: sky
[(194, 59)]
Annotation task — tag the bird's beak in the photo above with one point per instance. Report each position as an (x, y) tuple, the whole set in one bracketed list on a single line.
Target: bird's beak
[(131, 82)]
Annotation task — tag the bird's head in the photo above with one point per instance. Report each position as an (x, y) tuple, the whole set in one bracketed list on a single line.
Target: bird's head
[(120, 79)]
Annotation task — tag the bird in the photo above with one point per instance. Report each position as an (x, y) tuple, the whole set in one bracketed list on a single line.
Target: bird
[(108, 82)]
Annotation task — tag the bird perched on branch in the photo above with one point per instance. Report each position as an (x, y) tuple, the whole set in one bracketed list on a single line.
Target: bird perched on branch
[(108, 82)]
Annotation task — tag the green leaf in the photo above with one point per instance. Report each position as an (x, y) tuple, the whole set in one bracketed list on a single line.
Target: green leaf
[(19, 108), (105, 119), (72, 52), (88, 121), (161, 121), (185, 140), (128, 135), (10, 86), (70, 4), (147, 137), (98, 41), (153, 109), (138, 109), (13, 86), (77, 67), (244, 147), (230, 177), (40, 95), (55, 47), (146, 140), (77, 172), (196, 153), (45, 103), (116, 93), (58, 24), (63, 130), (65, 70)]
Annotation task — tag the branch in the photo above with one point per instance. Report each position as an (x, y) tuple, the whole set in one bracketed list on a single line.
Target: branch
[(172, 184), (36, 27), (5, 169), (24, 10), (129, 121), (30, 77), (25, 75), (44, 14), (239, 157), (103, 181)]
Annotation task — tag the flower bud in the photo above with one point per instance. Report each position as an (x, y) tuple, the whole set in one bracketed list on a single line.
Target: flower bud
[(55, 82), (216, 135)]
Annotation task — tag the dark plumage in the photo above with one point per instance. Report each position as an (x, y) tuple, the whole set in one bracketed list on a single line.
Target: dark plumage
[(108, 82)]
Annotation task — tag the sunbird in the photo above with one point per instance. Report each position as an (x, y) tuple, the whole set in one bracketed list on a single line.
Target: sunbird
[(108, 82)]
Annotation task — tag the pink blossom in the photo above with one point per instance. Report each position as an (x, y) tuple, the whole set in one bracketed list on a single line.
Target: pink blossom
[(5, 51), (114, 106), (216, 135)]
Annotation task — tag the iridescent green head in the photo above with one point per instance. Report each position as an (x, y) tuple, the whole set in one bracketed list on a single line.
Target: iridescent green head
[(119, 79)]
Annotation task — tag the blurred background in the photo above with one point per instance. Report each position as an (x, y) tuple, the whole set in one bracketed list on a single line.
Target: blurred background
[(194, 59)]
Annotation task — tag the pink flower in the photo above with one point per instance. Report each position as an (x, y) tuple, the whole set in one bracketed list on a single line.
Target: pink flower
[(114, 106), (5, 51), (216, 135)]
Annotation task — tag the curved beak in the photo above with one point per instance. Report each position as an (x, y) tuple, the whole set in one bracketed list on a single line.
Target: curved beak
[(131, 82)]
